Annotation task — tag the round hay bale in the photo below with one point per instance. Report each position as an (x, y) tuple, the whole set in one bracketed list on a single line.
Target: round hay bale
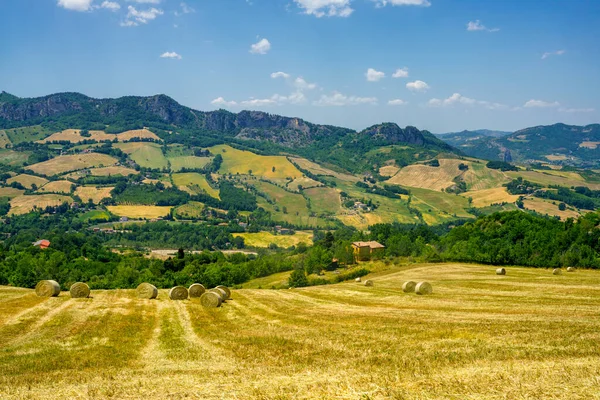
[(368, 283), (196, 290), (500, 271), (423, 288), (409, 286), (357, 279), (147, 291), (178, 293), (210, 300), (79, 290), (571, 269), (226, 290), (47, 288), (220, 292), (556, 271)]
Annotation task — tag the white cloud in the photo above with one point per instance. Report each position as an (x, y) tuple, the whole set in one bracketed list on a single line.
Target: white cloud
[(541, 104), (220, 101), (552, 53), (397, 102), (261, 102), (401, 73), (459, 99), (576, 110), (301, 84), (110, 5), (417, 86), (383, 3), (185, 9), (145, 1), (135, 17), (76, 5), (339, 99), (374, 75), (280, 74), (171, 54), (261, 47), (478, 26), (325, 8)]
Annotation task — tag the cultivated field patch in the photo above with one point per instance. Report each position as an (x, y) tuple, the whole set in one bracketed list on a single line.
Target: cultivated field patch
[(544, 206), (190, 162), (242, 162), (27, 134), (113, 171), (486, 197), (317, 169), (96, 194), (57, 187), (28, 180), (74, 136), (11, 157), (195, 182), (140, 212), (63, 164), (10, 192), (147, 155), (24, 204), (4, 140), (324, 200), (264, 239), (193, 209)]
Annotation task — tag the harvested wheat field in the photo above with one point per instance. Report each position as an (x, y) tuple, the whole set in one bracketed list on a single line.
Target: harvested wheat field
[(63, 164), (24, 204), (138, 211), (113, 171), (486, 197), (28, 180), (74, 136), (96, 194), (56, 187), (526, 335)]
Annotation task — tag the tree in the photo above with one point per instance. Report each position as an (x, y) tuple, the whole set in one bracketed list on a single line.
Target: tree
[(180, 253), (562, 206), (298, 278)]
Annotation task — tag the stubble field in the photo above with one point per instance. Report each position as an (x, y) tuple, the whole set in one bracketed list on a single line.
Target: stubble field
[(529, 334)]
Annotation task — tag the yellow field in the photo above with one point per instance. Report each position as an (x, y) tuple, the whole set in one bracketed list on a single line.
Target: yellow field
[(264, 239), (547, 178), (57, 187), (140, 212), (556, 157), (95, 194), (526, 335), (178, 163), (437, 207), (477, 177), (28, 180), (112, 171), (63, 164), (589, 145), (25, 204), (320, 170), (427, 177), (10, 192), (238, 161), (543, 206), (484, 198), (194, 182), (388, 170), (74, 136)]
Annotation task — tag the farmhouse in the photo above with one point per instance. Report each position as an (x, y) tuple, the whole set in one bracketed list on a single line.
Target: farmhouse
[(364, 251), (42, 244)]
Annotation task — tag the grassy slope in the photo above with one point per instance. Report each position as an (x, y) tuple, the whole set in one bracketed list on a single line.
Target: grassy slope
[(63, 164), (529, 334), (147, 155), (194, 180), (238, 161)]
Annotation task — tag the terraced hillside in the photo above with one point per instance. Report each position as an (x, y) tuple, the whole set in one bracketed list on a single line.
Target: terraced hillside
[(529, 334)]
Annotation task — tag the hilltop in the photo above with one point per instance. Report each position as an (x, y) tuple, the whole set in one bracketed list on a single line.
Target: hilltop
[(557, 144)]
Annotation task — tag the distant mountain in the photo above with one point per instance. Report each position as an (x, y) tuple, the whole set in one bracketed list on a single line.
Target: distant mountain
[(252, 128), (557, 144)]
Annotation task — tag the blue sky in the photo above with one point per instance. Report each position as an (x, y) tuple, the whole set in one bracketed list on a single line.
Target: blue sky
[(439, 65)]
